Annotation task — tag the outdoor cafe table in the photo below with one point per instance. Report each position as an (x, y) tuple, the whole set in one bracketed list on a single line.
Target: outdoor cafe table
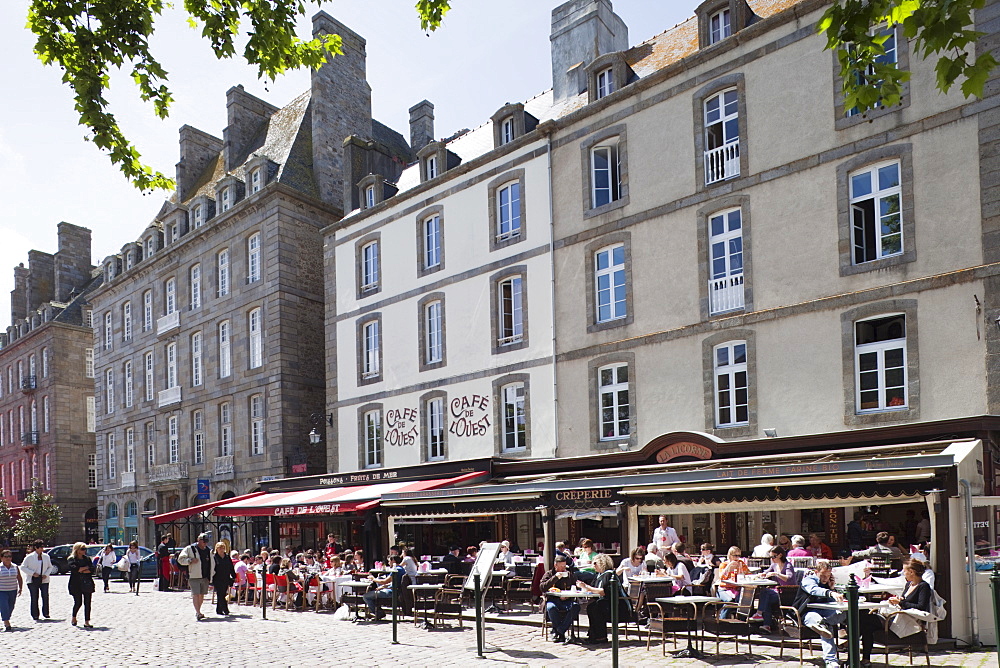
[(422, 592), (881, 589), (842, 607), (568, 593), (691, 652)]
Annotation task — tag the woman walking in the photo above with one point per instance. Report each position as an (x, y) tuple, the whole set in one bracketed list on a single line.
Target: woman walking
[(222, 578), (107, 561), (133, 566), (81, 583), (11, 586)]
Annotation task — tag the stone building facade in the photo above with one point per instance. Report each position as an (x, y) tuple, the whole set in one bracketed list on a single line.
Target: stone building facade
[(47, 387), (208, 327)]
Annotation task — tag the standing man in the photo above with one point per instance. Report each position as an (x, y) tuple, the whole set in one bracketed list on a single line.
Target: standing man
[(332, 546), (163, 556), (664, 536), (198, 558), (36, 567)]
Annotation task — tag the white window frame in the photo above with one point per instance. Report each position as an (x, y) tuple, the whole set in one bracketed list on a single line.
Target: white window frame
[(171, 357), (129, 260), (510, 307), (605, 80), (610, 278), (170, 288), (255, 181), (432, 167), (879, 349), (609, 398), (370, 266), (91, 471), (147, 310), (507, 130), (150, 445), (147, 364), (369, 196), (225, 429), (109, 391), (222, 271), (512, 403), (432, 241), (150, 247), (891, 56), (198, 427), (371, 341), (173, 440), (112, 457), (434, 429), (881, 201), (225, 348), (127, 321), (253, 258), (196, 366), (225, 198), (508, 211), (197, 214), (45, 365), (130, 450), (45, 416), (434, 332), (256, 335), (725, 261), (129, 387), (257, 424), (605, 173), (732, 386), (195, 279), (719, 26), (108, 331), (91, 416), (372, 425), (722, 147), (175, 233)]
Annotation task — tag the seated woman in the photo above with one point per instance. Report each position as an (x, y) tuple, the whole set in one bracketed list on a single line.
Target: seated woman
[(632, 565), (599, 611), (471, 553), (586, 571), (781, 572), (731, 569), (676, 569), (410, 565), (917, 595), (290, 572)]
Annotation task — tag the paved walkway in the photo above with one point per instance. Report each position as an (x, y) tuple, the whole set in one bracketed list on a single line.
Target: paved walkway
[(159, 629)]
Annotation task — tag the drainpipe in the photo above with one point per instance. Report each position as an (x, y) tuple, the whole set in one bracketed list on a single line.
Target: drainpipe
[(970, 546), (552, 296)]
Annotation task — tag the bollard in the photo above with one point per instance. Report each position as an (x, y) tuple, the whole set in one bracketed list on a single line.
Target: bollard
[(995, 588), (262, 583), (396, 583), (853, 625), (479, 614), (613, 597)]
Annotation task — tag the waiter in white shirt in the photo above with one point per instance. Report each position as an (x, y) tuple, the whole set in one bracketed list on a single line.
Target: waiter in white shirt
[(36, 567), (664, 536)]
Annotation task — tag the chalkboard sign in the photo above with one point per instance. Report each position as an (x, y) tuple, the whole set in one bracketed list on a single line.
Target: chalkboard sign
[(483, 565)]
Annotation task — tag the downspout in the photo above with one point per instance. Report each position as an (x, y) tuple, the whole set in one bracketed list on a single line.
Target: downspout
[(552, 295), (970, 546)]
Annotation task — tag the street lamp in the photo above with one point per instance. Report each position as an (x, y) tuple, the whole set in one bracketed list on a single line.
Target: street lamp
[(314, 436)]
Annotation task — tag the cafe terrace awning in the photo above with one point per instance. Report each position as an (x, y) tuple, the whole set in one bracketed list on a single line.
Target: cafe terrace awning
[(175, 515), (331, 500)]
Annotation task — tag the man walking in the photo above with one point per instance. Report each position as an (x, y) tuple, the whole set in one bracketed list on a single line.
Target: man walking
[(36, 567), (163, 559), (198, 558)]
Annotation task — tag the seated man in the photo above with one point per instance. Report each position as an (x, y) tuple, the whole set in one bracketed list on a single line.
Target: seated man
[(384, 587), (452, 560), (817, 587), (561, 612)]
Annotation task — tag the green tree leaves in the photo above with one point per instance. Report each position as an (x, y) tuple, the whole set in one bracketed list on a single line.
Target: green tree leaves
[(936, 28), (40, 518)]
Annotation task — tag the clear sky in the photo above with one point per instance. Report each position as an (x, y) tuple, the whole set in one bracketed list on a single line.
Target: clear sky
[(486, 54)]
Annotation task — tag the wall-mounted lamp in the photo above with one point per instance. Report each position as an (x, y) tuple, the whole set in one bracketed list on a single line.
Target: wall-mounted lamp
[(771, 433), (317, 418), (314, 436)]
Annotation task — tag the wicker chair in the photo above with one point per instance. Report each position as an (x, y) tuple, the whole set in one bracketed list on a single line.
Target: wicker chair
[(518, 590), (663, 617), (448, 603), (736, 624), (789, 623), (890, 640)]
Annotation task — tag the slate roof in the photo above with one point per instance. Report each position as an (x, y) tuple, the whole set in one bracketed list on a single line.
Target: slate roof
[(646, 58)]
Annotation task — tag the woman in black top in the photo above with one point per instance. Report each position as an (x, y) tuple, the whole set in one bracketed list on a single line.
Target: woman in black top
[(81, 582), (222, 578), (599, 611), (916, 595)]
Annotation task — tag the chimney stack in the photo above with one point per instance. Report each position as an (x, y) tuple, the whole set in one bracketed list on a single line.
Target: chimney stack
[(73, 265), (19, 295), (246, 114), (421, 125), (198, 150), (582, 30), (41, 278)]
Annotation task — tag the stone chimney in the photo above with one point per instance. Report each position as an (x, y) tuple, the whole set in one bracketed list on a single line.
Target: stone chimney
[(421, 125), (19, 295), (41, 278), (340, 105), (198, 150), (582, 30), (72, 260), (246, 114)]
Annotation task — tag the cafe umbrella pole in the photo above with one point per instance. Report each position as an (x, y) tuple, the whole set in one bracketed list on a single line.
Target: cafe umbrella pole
[(853, 625)]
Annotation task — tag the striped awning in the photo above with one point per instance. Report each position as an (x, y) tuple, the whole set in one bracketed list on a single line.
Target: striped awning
[(331, 500)]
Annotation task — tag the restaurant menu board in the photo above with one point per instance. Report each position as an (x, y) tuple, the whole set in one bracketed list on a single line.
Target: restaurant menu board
[(483, 565)]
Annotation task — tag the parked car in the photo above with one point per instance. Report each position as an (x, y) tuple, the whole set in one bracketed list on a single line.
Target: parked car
[(60, 558), (147, 562)]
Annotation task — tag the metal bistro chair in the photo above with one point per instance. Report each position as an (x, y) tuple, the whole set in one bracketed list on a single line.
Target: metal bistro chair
[(518, 590), (736, 623), (354, 598), (802, 562), (789, 623), (448, 603), (679, 617), (890, 640), (758, 562)]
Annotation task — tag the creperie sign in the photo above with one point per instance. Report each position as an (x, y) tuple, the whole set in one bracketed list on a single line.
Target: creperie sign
[(320, 509)]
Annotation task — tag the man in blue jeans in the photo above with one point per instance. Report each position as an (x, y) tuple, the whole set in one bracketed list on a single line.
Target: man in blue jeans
[(384, 587), (561, 612), (817, 587)]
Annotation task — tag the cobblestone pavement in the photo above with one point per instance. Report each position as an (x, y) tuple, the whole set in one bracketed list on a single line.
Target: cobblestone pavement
[(159, 629)]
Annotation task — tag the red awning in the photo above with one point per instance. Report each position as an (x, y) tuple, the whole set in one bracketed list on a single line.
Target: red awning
[(330, 500), (194, 510)]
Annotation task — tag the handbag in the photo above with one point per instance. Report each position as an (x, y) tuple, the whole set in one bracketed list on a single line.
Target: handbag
[(123, 564)]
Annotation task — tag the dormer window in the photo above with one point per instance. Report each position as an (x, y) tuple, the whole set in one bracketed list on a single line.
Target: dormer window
[(432, 167), (150, 246), (507, 130), (719, 26), (226, 198), (110, 270), (129, 260), (436, 159), (605, 83), (369, 197), (198, 215), (175, 233), (255, 181)]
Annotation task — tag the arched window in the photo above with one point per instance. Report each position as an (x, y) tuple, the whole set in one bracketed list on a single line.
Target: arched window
[(112, 510), (131, 509)]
